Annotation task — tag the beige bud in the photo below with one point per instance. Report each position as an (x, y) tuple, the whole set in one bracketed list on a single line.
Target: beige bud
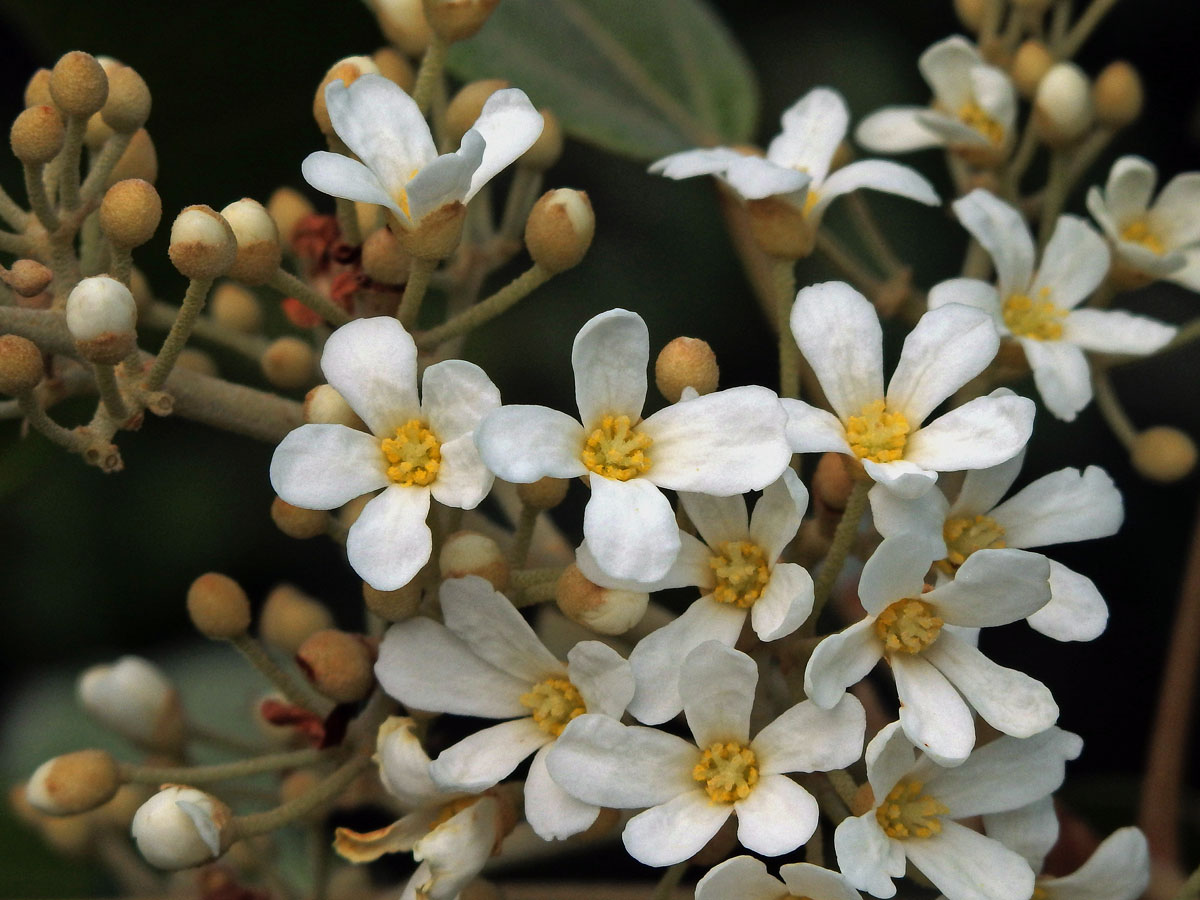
[(393, 606), (780, 228), (203, 245), (234, 307), (603, 610), (181, 827), (1163, 454), (545, 493), (37, 89), (384, 259), (78, 84), (289, 363), (470, 553), (457, 20), (74, 783), (338, 664), (1029, 66), (218, 606), (37, 135), (350, 512), (140, 160), (27, 277), (297, 522), (971, 13), (287, 207), (97, 132), (128, 105), (130, 213), (548, 148), (193, 359), (347, 71), (464, 107), (403, 23), (298, 784), (258, 250), (102, 318), (1117, 95), (289, 616), (395, 67), (323, 405), (21, 365), (686, 362), (1062, 108), (560, 229), (832, 484), (134, 698)]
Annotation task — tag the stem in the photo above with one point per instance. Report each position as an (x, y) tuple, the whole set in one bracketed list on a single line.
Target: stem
[(291, 286), (486, 310), (527, 578), (543, 592), (325, 791), (1055, 196), (68, 162), (120, 264), (669, 881), (414, 291), (11, 212), (35, 191), (429, 73), (522, 194), (523, 536), (16, 244), (347, 219), (992, 14), (789, 353), (181, 330), (814, 850), (835, 251), (843, 539), (102, 166), (1083, 28), (1020, 161), (223, 771), (876, 240), (110, 394), (290, 687), (162, 315), (36, 415), (1112, 411)]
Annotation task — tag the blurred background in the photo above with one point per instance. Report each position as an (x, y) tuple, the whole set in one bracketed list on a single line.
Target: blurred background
[(93, 566)]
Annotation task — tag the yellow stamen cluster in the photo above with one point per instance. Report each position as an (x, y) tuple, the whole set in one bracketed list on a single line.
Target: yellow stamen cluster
[(876, 434), (1038, 319), (615, 449), (728, 771), (973, 115), (965, 535), (907, 813), (742, 573), (401, 196), (554, 702), (414, 455), (450, 810), (908, 626), (1139, 232)]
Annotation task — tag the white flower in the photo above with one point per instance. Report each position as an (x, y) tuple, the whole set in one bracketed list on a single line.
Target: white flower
[(746, 878), (737, 566), (798, 161), (134, 698), (723, 443), (916, 803), (974, 107), (1037, 308), (940, 676), (487, 662), (1160, 240), (181, 827), (839, 334), (401, 169), (692, 789), (417, 450), (1064, 506)]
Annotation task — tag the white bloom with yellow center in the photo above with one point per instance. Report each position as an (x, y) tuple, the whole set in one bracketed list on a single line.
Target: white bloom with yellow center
[(692, 789), (916, 803), (1064, 506), (838, 331), (724, 443), (940, 676), (1037, 307), (486, 661), (737, 566), (746, 878), (1159, 239), (417, 450)]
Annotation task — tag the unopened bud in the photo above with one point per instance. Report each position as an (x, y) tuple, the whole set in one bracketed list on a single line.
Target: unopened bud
[(323, 405), (102, 318), (1062, 108), (235, 308), (832, 484), (338, 664), (403, 23), (464, 107), (180, 827), (193, 359), (370, 218), (78, 84), (37, 135), (130, 213), (1029, 67), (258, 250), (686, 362), (74, 783), (69, 836), (203, 246), (97, 131), (119, 811), (545, 493), (780, 228), (457, 20), (135, 699), (289, 616), (287, 207), (1117, 95), (560, 229), (548, 148), (470, 553), (603, 610), (27, 277), (140, 160), (350, 511), (37, 89), (128, 105), (1163, 454), (297, 522), (289, 363), (393, 606), (383, 259), (347, 71), (218, 606), (395, 67), (971, 13), (21, 365)]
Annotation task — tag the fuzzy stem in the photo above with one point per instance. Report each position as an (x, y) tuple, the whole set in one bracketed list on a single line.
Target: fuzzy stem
[(223, 771), (35, 413), (1057, 185), (487, 309), (120, 264), (110, 394), (295, 692), (68, 162), (876, 241), (429, 73), (523, 536), (39, 202), (102, 166), (1112, 411), (839, 549), (520, 579), (789, 353), (11, 212), (414, 291), (291, 286), (543, 592), (1021, 159), (181, 330), (837, 253), (161, 315), (347, 219), (669, 881), (1083, 28), (522, 194), (325, 792)]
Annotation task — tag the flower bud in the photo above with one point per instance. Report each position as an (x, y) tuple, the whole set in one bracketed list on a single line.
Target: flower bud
[(21, 365), (548, 148), (1029, 67), (323, 405), (235, 308), (119, 811), (258, 250), (603, 610), (203, 245), (457, 20), (297, 522), (383, 259), (403, 23), (37, 135), (74, 783), (395, 67), (69, 836), (369, 217), (560, 229), (97, 132), (289, 363), (1062, 108), (1117, 95), (347, 71), (685, 362), (470, 553), (338, 664), (37, 89), (130, 213), (128, 105), (289, 616), (350, 511), (287, 207), (78, 84), (831, 486), (1163, 454), (140, 160), (971, 13), (180, 827), (135, 699), (27, 277), (192, 359), (102, 318), (545, 493), (465, 107), (218, 606), (393, 606)]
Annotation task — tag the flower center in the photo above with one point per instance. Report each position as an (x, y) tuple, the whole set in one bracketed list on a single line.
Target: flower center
[(414, 455), (876, 434), (965, 535), (1038, 319), (554, 702), (450, 810), (728, 771), (907, 813), (401, 196), (742, 573), (973, 115), (615, 449), (908, 626), (1139, 232)]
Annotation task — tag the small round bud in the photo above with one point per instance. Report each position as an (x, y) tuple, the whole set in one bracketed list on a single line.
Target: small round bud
[(548, 148), (1163, 454), (603, 610), (464, 108), (130, 213), (180, 827), (403, 23), (258, 251), (395, 67), (1062, 108), (74, 783), (832, 484), (560, 229), (347, 71), (350, 512), (27, 277), (203, 245), (119, 811), (338, 664), (1029, 67), (235, 308), (686, 362), (97, 132), (545, 493), (457, 20), (78, 84), (21, 365), (971, 13), (780, 228), (369, 217), (297, 522), (289, 363), (383, 259), (323, 405), (37, 89), (218, 606), (470, 553), (102, 318), (140, 160), (393, 606), (289, 616), (134, 698), (128, 105), (37, 135), (192, 359), (287, 207), (1117, 95)]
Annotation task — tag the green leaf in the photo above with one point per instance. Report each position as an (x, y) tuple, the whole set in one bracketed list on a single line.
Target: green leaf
[(637, 78)]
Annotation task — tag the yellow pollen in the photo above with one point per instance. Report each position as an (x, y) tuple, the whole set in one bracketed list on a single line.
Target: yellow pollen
[(907, 813), (908, 626), (728, 771), (973, 115), (615, 449), (1038, 319), (876, 434), (1039, 893), (742, 573), (414, 455), (1139, 232), (810, 200), (450, 810), (401, 196), (965, 535), (554, 702)]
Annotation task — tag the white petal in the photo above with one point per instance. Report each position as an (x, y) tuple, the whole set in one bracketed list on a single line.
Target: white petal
[(878, 175), (1102, 214), (1170, 265), (717, 685), (1067, 505), (867, 857), (946, 67), (1188, 275), (777, 817), (718, 519), (390, 543), (740, 878), (324, 466), (993, 90), (524, 443), (968, 292), (948, 347), (676, 830), (1061, 374), (902, 477), (1129, 188), (491, 626), (341, 176), (777, 514), (1031, 831), (993, 587), (382, 125), (372, 363), (982, 432), (1116, 331), (896, 129), (609, 359), (1174, 215), (1073, 263), (785, 604), (965, 865), (895, 570), (1118, 870), (838, 331), (807, 880), (446, 179), (807, 738), (550, 811), (921, 517), (934, 717), (456, 850), (1076, 611), (812, 430), (690, 163), (889, 757), (481, 760), (983, 489), (1005, 236), (404, 764), (755, 178), (455, 396), (463, 480), (841, 660), (509, 125), (953, 130), (630, 528), (690, 569), (603, 677), (813, 127)]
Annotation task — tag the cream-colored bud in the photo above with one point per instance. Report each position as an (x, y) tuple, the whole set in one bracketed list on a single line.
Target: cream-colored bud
[(347, 71), (470, 553), (548, 148), (193, 359), (457, 20), (289, 363), (287, 207), (78, 84), (832, 484), (203, 246), (21, 365), (140, 160), (37, 89), (289, 616), (464, 107), (297, 522), (1117, 95), (1163, 454), (258, 250), (181, 827), (1062, 108), (350, 512), (1029, 66), (218, 606), (235, 308), (393, 606), (971, 13), (686, 362), (74, 783), (545, 493), (560, 229), (27, 277), (119, 811), (384, 259), (323, 405), (130, 213), (603, 610), (37, 135), (102, 318), (338, 664), (97, 131), (128, 105), (370, 218), (403, 23), (395, 67), (134, 698)]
